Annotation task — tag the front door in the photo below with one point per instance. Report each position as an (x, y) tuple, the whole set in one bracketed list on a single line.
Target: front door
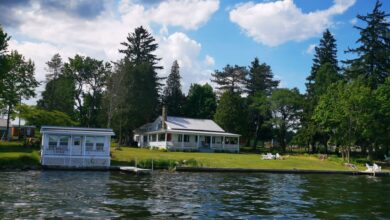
[(207, 141), (77, 145)]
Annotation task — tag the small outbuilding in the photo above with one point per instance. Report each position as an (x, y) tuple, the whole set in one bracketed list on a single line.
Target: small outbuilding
[(75, 147)]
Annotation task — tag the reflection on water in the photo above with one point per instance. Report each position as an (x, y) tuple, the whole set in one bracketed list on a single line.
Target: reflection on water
[(38, 194)]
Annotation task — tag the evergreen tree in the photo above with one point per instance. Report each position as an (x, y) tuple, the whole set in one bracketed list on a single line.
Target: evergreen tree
[(232, 113), (140, 46), (173, 97), (231, 78), (259, 85), (201, 102), (324, 72), (59, 90), (373, 54), (54, 67), (260, 78)]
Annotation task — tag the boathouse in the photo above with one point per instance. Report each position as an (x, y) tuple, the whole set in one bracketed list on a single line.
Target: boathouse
[(75, 147), (186, 134)]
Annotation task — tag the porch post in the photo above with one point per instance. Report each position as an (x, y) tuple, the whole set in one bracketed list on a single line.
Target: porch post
[(197, 143), (223, 143), (182, 141), (238, 144), (211, 142), (70, 149), (166, 139)]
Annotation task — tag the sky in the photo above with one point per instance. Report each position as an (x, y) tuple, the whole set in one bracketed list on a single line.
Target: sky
[(203, 35)]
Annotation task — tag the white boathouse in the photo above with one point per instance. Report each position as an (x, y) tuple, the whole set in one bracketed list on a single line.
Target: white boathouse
[(75, 147), (186, 134)]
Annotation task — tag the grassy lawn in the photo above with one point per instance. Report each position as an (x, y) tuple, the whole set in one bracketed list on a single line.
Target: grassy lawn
[(127, 156), (15, 155)]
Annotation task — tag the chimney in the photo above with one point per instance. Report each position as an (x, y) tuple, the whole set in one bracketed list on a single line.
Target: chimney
[(164, 117)]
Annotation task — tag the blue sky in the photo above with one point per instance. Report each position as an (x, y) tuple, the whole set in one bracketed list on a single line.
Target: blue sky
[(203, 35)]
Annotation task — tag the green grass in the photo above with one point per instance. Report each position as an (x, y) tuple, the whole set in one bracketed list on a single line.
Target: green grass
[(15, 155), (128, 156)]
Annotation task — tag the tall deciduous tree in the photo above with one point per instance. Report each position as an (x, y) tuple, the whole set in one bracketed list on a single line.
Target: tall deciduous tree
[(231, 78), (373, 54), (201, 102), (232, 113), (19, 82), (286, 107), (90, 77), (173, 97)]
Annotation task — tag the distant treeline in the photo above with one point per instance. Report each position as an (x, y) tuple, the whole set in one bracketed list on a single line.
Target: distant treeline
[(346, 103)]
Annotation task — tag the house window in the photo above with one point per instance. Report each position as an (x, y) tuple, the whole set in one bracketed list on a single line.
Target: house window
[(196, 138), (169, 137), (213, 140), (145, 138), (186, 138), (161, 137), (179, 137)]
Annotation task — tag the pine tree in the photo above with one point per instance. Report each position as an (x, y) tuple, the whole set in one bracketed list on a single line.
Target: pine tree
[(373, 54), (54, 67), (231, 78), (172, 96), (140, 46), (259, 85), (325, 53), (201, 102), (260, 78), (4, 38)]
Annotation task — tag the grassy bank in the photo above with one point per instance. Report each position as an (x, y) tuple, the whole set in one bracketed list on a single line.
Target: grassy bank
[(13, 155), (128, 156)]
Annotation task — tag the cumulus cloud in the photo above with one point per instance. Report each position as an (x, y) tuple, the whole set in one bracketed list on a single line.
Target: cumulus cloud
[(275, 23), (186, 51), (42, 30)]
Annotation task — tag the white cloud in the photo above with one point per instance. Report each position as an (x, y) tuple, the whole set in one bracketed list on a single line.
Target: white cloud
[(209, 60), (353, 21), (45, 33), (180, 47), (275, 23), (310, 49)]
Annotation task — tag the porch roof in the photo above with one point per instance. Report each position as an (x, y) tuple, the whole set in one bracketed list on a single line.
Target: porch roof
[(193, 132)]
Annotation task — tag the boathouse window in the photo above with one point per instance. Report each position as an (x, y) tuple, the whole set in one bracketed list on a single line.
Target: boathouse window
[(99, 144), (52, 142), (89, 144), (58, 144)]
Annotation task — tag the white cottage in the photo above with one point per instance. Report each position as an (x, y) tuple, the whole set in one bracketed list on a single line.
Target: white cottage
[(75, 147), (186, 134)]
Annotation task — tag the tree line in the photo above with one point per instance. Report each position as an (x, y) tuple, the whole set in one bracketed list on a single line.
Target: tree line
[(346, 103)]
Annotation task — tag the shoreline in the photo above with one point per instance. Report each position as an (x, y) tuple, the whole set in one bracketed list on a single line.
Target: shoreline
[(210, 170)]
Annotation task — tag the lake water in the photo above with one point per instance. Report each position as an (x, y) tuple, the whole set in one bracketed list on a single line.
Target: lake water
[(166, 195)]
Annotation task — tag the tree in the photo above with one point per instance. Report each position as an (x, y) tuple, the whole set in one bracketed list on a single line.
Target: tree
[(373, 54), (90, 77), (4, 38), (260, 78), (286, 108), (382, 95), (59, 93), (201, 102), (19, 82), (54, 67), (324, 72), (173, 97), (231, 78), (140, 46), (259, 85), (232, 114), (39, 117), (347, 112)]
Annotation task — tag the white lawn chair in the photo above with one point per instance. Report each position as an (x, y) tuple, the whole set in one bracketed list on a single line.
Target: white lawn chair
[(369, 168), (376, 168), (277, 156)]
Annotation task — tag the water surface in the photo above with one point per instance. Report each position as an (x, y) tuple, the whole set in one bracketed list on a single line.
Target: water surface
[(165, 195)]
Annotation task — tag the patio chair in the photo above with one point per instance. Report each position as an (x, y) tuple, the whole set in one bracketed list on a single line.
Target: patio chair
[(277, 156), (369, 168), (376, 168)]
